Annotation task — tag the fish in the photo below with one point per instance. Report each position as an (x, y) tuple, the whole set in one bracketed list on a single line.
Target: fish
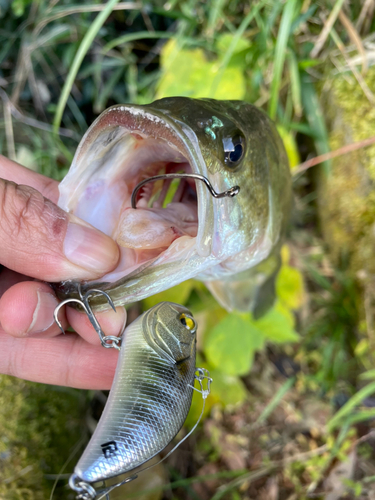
[(232, 244), (150, 396)]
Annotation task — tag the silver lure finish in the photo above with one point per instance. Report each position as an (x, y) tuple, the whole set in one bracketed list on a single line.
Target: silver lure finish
[(150, 396)]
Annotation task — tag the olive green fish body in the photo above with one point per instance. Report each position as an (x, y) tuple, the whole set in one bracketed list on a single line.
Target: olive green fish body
[(217, 240)]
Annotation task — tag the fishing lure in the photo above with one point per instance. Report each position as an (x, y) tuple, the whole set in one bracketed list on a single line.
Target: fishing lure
[(150, 396)]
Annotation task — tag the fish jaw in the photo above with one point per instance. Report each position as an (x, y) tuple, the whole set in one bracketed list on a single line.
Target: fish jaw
[(230, 236), (85, 191)]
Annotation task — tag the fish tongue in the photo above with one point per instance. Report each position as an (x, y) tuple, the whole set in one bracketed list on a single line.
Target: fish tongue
[(155, 228), (142, 228)]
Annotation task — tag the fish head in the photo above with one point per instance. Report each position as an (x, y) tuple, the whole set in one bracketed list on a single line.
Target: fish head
[(231, 143), (170, 330)]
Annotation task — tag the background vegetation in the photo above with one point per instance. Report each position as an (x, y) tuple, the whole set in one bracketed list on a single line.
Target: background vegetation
[(291, 410)]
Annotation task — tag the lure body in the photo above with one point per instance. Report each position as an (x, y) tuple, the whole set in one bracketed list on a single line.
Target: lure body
[(150, 396)]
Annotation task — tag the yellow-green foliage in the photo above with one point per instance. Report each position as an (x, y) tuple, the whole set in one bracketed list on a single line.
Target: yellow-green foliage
[(188, 72), (39, 426), (346, 196)]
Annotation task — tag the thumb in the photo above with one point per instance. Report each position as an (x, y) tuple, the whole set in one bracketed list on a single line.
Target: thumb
[(39, 239)]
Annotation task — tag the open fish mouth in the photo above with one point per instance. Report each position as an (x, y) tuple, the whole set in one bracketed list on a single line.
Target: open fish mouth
[(178, 229), (166, 210), (115, 155)]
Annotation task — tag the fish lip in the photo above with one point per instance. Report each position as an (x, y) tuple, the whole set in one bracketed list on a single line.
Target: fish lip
[(119, 115)]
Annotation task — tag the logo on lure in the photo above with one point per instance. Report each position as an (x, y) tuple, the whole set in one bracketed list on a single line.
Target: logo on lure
[(150, 396), (109, 449)]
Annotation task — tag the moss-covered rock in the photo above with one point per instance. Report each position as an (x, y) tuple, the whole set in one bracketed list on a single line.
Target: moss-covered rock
[(39, 427), (346, 192)]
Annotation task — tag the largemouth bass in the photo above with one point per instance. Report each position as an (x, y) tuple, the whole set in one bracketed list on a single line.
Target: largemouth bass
[(150, 396), (232, 244)]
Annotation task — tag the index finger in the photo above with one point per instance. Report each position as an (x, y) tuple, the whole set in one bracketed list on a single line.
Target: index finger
[(64, 360), (12, 171)]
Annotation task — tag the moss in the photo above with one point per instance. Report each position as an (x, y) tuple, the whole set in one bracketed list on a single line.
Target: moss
[(347, 194), (39, 427)]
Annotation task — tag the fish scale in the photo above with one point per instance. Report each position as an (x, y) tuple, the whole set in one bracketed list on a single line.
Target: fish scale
[(138, 422)]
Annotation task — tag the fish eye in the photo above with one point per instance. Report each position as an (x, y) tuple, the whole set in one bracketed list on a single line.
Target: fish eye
[(234, 147), (188, 322)]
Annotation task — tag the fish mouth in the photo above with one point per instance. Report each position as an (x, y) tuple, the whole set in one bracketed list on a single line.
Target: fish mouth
[(123, 147)]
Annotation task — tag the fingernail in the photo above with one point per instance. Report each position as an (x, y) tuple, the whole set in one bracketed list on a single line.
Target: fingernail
[(115, 321), (89, 248), (43, 313)]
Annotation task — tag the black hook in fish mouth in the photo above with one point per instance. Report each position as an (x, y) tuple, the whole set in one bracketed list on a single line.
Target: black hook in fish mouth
[(233, 191)]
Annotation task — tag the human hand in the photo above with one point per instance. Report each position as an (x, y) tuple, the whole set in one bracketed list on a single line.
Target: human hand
[(40, 242)]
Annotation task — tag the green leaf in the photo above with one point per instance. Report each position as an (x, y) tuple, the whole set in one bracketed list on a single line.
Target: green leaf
[(231, 344), (289, 287), (227, 389), (277, 325), (225, 39), (178, 294), (188, 73), (19, 6)]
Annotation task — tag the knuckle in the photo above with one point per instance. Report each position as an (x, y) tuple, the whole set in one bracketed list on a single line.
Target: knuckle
[(20, 208), (24, 211)]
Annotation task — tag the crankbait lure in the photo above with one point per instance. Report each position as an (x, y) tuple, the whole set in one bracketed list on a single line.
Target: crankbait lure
[(150, 396)]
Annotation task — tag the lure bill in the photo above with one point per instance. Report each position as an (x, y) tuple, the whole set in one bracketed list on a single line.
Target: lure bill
[(149, 400)]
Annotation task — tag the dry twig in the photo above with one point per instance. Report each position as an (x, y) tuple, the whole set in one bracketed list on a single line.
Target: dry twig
[(355, 38), (348, 148)]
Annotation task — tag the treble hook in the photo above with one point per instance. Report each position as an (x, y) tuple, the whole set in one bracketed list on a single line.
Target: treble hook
[(233, 191), (106, 340)]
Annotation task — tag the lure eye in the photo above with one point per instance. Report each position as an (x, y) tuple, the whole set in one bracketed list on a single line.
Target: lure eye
[(234, 148), (188, 322)]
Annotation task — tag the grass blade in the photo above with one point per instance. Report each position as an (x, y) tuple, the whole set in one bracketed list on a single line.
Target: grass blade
[(275, 401), (350, 405), (82, 51), (314, 114), (295, 83), (280, 53), (139, 35)]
